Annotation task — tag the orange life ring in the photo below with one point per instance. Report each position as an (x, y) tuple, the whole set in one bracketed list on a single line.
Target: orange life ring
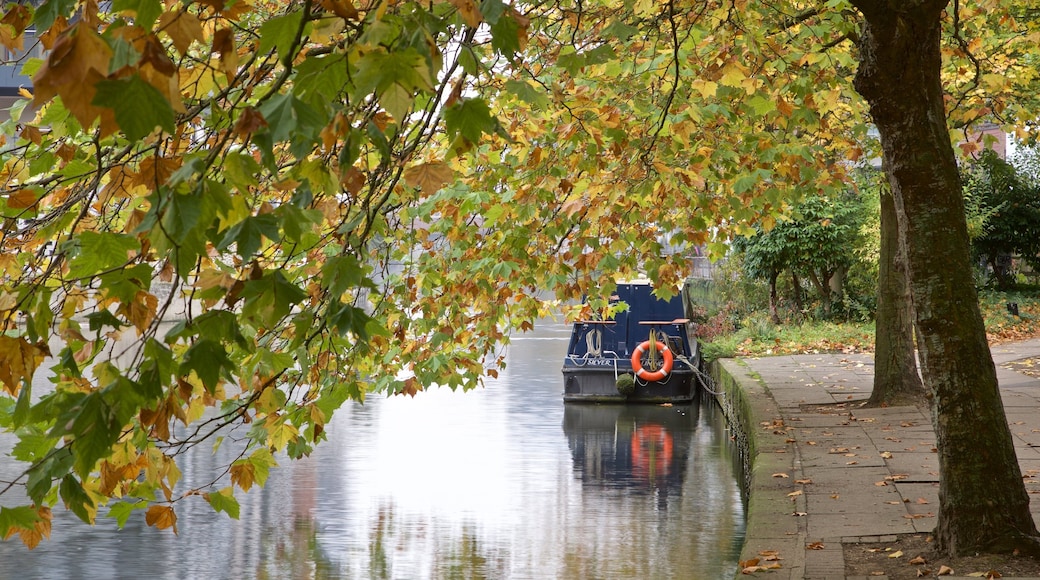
[(637, 364), (651, 451)]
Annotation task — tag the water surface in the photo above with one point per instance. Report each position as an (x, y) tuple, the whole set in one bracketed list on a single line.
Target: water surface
[(502, 482)]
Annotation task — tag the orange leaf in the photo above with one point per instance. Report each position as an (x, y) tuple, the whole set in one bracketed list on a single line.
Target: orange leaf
[(343, 8), (21, 199), (79, 61), (161, 517), (224, 43), (469, 11)]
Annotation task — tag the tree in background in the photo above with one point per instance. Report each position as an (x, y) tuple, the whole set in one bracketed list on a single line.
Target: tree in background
[(818, 243), (1009, 203)]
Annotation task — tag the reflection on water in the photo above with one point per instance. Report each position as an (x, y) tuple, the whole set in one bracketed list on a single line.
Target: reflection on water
[(505, 482)]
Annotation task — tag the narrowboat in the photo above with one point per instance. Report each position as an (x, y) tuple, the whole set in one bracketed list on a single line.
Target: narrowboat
[(646, 353)]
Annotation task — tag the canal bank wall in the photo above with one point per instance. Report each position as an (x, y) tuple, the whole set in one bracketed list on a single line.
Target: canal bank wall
[(775, 534)]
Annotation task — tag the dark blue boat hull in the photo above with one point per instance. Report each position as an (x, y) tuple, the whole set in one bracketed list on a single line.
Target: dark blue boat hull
[(600, 351)]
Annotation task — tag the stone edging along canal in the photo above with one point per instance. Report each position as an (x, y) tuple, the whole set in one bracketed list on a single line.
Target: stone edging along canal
[(758, 430)]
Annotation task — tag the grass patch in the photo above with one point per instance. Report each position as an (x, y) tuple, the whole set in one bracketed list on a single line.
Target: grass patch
[(759, 337)]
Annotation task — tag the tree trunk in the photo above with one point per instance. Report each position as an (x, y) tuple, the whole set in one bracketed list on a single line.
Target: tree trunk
[(983, 505), (837, 283), (773, 297), (799, 304), (896, 380)]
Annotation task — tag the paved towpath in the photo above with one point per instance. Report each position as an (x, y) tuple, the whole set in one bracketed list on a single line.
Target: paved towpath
[(826, 475)]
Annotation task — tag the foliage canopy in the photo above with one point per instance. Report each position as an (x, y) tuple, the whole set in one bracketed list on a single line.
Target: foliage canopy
[(342, 197)]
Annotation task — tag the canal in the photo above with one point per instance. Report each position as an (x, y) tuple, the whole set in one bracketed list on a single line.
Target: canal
[(503, 482)]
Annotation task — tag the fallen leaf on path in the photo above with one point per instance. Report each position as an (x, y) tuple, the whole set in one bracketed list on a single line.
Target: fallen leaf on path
[(781, 475), (918, 561), (795, 493), (945, 571), (897, 554), (815, 546)]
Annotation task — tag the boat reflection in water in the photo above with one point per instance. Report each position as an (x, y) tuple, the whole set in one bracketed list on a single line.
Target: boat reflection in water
[(665, 459), (631, 446)]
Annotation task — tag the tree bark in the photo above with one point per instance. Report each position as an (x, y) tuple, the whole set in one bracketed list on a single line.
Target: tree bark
[(983, 505), (896, 380), (774, 298), (799, 304)]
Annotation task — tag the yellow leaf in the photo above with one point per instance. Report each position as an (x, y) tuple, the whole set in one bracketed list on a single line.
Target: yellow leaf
[(183, 29), (469, 11), (896, 554), (429, 176), (243, 475), (161, 517), (733, 76), (18, 361)]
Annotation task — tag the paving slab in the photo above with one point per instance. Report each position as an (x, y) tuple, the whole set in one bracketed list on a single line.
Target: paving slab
[(829, 473)]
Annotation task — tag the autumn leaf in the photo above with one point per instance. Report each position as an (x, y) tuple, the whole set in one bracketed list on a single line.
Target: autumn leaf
[(161, 517), (469, 11), (18, 362), (429, 177), (77, 63), (183, 28), (21, 199)]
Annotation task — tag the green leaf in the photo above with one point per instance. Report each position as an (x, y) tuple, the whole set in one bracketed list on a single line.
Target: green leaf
[(120, 511), (342, 273), (32, 445), (270, 298), (528, 93), (139, 107), (46, 15), (280, 33), (55, 466), (248, 234), (287, 117), (76, 498), (146, 12), (349, 318), (17, 518), (393, 77), (320, 79), (98, 252), (505, 36), (470, 118), (95, 429), (224, 501), (209, 360)]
